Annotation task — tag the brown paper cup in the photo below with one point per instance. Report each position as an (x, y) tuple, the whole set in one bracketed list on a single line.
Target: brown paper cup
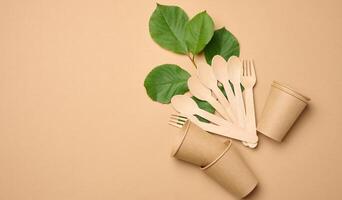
[(196, 146), (232, 173), (281, 110)]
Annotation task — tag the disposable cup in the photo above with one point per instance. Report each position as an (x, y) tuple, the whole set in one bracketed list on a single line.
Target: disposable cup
[(282, 108), (197, 146), (231, 172)]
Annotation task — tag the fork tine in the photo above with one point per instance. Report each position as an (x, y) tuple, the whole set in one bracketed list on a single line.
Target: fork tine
[(177, 121), (252, 68), (175, 124), (178, 117), (244, 67), (248, 68), (242, 72), (174, 117)]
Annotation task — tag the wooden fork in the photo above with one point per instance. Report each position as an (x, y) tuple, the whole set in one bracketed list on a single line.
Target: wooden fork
[(177, 120), (248, 80)]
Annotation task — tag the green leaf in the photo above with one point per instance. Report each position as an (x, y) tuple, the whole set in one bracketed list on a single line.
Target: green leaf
[(167, 28), (223, 43), (199, 31), (204, 106), (202, 119), (165, 81)]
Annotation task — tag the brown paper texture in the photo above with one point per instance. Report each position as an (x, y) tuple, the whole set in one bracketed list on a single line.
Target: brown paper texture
[(282, 108), (196, 146), (232, 173)]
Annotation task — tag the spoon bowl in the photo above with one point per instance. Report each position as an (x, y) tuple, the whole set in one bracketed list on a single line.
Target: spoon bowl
[(198, 89), (219, 65), (184, 104), (234, 69), (207, 76)]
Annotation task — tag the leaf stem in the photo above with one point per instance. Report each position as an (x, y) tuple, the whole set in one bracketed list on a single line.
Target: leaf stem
[(192, 59)]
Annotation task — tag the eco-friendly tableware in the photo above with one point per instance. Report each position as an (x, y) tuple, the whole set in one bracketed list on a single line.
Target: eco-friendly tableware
[(177, 120), (188, 108), (196, 146), (221, 73), (231, 172), (248, 80), (197, 89), (233, 132), (207, 77), (282, 108), (234, 71)]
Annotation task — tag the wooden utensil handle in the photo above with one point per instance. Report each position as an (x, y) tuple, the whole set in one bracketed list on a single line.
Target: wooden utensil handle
[(229, 93), (231, 131), (213, 118), (239, 105), (222, 99), (219, 108), (250, 110)]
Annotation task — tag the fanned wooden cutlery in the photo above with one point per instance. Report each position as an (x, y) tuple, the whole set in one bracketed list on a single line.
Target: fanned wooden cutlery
[(235, 107)]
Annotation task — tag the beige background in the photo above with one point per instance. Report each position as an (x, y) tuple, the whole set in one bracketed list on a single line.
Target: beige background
[(76, 123)]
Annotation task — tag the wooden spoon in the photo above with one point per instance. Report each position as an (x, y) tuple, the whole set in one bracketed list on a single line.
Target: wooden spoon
[(188, 108), (207, 77), (221, 73), (234, 70), (203, 93)]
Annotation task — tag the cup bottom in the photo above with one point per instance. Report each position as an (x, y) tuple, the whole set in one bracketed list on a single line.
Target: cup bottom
[(231, 172)]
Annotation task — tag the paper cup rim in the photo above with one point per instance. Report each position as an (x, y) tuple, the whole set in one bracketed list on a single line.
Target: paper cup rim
[(179, 142), (289, 90), (219, 157)]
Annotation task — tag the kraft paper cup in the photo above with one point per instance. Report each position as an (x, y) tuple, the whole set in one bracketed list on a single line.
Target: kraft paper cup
[(196, 146), (231, 172), (282, 108)]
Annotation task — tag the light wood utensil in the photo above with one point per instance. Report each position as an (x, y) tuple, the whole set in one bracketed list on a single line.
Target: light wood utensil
[(232, 132), (221, 73), (248, 80), (234, 70), (177, 120), (203, 93), (207, 77), (188, 108)]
